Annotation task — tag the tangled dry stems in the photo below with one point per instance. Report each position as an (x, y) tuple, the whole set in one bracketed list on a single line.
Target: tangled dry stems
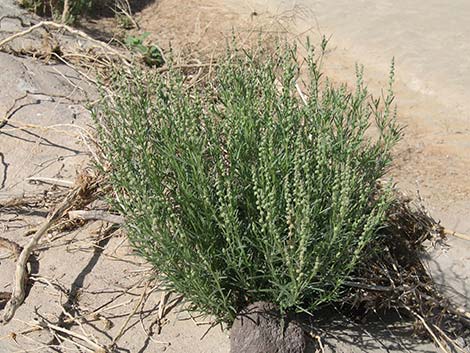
[(85, 192), (397, 279)]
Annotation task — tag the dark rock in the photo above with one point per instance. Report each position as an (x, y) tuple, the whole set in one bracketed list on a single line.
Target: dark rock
[(258, 329)]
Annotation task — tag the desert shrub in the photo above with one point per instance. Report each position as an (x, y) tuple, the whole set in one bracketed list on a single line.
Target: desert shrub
[(241, 190)]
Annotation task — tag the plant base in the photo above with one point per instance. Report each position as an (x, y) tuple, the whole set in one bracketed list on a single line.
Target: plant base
[(258, 329)]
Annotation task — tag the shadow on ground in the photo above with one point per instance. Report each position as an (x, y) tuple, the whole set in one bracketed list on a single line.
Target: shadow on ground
[(387, 332), (450, 269)]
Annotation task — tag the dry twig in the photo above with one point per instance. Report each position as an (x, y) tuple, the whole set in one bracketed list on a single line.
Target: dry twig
[(54, 328), (430, 331), (20, 278), (65, 12), (84, 192), (456, 234), (51, 181), (96, 215), (132, 313)]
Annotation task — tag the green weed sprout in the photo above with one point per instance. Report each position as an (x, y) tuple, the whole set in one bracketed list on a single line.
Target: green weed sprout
[(151, 54)]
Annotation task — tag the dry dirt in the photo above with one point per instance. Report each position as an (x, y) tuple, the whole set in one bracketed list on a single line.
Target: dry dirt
[(96, 277)]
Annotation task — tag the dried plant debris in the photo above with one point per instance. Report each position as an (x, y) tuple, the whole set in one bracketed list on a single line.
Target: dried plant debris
[(88, 187), (395, 278)]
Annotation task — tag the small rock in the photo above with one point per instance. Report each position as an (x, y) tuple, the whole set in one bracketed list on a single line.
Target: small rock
[(257, 329)]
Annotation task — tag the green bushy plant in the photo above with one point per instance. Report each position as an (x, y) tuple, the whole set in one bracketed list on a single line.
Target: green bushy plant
[(241, 191)]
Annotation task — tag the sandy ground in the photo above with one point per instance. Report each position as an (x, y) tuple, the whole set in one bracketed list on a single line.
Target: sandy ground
[(97, 277)]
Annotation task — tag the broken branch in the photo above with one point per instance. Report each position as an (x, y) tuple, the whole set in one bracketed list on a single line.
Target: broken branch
[(93, 215), (18, 294)]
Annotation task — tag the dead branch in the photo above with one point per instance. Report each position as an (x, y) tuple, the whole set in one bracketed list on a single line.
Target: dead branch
[(161, 312), (373, 287), (51, 181), (430, 331), (96, 215), (65, 12), (456, 234), (125, 8), (18, 294), (97, 347), (132, 313), (161, 307), (320, 344), (301, 94)]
